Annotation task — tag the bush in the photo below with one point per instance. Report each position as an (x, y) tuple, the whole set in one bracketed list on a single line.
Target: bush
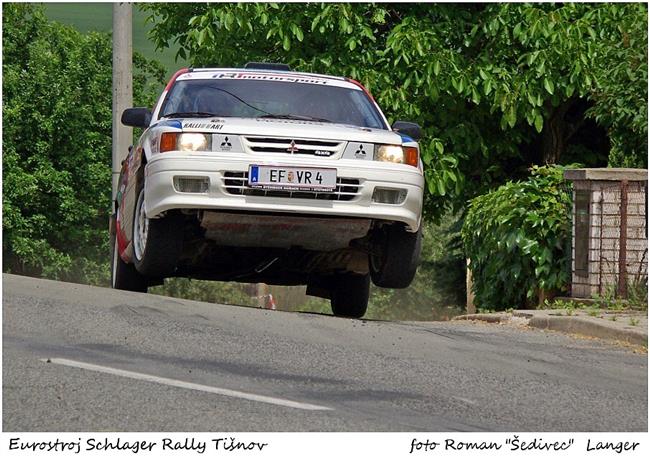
[(516, 238), (205, 291), (57, 145)]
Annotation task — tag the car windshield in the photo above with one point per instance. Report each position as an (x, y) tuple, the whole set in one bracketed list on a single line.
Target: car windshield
[(271, 99)]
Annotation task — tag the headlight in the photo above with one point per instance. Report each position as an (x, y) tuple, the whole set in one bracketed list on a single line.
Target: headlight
[(189, 141), (397, 154), (193, 142)]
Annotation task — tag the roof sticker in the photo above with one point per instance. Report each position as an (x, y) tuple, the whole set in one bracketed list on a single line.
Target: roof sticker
[(282, 77)]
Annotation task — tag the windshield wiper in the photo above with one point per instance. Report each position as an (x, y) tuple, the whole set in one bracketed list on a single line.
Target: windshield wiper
[(293, 116), (191, 114), (236, 97)]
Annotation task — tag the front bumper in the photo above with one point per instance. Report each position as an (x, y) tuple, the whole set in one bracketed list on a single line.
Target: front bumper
[(161, 194)]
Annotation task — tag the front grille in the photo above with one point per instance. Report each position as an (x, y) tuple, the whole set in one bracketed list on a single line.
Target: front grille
[(323, 148), (347, 189)]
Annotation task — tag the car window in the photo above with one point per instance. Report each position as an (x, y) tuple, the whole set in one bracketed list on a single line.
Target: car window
[(241, 98)]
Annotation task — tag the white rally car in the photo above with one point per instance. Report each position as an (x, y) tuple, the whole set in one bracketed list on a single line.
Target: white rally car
[(266, 175)]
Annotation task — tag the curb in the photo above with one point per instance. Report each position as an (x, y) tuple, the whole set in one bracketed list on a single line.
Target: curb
[(568, 324), (489, 317), (583, 326)]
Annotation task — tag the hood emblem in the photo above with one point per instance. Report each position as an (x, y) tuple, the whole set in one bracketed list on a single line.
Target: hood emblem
[(292, 147), (225, 144)]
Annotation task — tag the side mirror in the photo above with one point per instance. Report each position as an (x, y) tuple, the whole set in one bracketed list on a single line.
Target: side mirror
[(136, 117), (407, 128)]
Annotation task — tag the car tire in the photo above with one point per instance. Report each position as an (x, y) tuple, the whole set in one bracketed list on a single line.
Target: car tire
[(157, 243), (123, 275), (349, 295), (394, 256)]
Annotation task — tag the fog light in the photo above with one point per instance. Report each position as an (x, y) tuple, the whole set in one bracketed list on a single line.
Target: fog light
[(191, 184), (389, 196)]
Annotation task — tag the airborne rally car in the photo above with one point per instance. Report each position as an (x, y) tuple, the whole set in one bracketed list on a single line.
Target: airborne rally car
[(266, 175)]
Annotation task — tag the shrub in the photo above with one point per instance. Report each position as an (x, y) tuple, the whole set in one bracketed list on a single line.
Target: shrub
[(205, 291), (516, 239), (57, 145)]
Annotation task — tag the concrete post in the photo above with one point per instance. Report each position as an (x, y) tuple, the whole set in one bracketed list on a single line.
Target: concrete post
[(122, 85), (471, 308)]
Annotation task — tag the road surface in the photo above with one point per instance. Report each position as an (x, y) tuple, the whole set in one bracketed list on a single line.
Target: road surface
[(80, 358)]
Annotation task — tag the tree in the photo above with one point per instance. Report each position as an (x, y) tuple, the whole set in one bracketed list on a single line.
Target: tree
[(622, 97), (57, 145), (488, 82)]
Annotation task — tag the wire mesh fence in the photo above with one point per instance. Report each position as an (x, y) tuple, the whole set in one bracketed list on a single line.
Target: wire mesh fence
[(609, 239)]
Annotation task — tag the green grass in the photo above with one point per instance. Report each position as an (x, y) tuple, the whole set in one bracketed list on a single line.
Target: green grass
[(87, 17)]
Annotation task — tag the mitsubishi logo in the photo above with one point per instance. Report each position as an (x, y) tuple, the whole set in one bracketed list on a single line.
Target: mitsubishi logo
[(226, 145), (292, 147)]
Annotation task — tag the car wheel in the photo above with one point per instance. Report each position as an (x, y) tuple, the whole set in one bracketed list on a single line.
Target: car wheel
[(157, 243), (123, 275), (349, 295), (394, 256)]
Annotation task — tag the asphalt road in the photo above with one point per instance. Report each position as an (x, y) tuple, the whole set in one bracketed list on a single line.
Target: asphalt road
[(124, 361)]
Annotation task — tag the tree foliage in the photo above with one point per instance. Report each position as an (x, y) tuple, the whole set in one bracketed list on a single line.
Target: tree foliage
[(57, 144), (497, 87), (622, 97), (516, 239)]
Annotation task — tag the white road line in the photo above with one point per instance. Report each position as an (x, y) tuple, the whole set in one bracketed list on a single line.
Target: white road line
[(187, 385)]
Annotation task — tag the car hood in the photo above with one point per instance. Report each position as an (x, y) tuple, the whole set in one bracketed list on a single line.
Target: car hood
[(292, 128)]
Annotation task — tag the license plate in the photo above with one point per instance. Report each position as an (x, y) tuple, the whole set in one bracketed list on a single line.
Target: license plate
[(292, 178)]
